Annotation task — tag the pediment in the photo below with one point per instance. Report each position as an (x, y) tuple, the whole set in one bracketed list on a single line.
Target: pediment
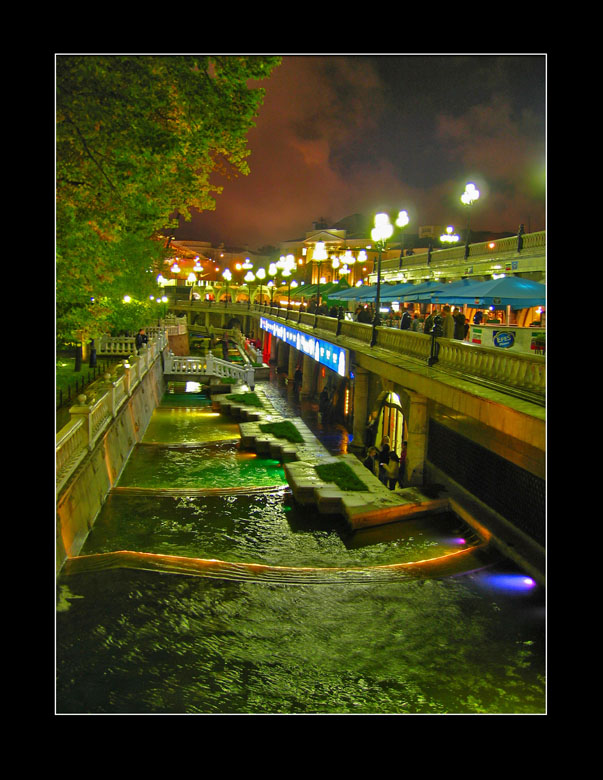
[(326, 236)]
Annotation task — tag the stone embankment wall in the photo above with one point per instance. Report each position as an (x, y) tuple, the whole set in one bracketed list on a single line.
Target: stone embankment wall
[(83, 496)]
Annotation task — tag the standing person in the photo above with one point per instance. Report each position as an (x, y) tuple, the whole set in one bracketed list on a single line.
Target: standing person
[(448, 323), (297, 379), (406, 320), (459, 324), (402, 464), (391, 471), (428, 324), (323, 404), (478, 317), (417, 325), (384, 450), (371, 462), (371, 430), (225, 345), (141, 338)]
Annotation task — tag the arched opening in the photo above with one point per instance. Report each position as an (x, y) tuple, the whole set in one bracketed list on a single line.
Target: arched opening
[(390, 421)]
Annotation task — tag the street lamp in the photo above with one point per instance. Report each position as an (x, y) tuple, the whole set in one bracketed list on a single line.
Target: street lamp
[(272, 271), (449, 237), (380, 233), (468, 197), (249, 277), (227, 276), (319, 255)]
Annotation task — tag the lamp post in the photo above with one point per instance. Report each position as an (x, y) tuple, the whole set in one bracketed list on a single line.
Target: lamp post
[(468, 197), (319, 256), (380, 233), (249, 277), (272, 271), (291, 283), (227, 276)]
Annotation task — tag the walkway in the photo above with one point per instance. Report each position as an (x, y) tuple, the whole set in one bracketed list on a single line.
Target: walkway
[(361, 508)]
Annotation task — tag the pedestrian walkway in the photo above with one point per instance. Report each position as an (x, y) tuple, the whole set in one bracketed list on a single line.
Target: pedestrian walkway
[(374, 505)]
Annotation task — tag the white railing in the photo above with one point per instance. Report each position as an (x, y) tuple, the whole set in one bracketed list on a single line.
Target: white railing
[(126, 345), (92, 413), (515, 370), (208, 365)]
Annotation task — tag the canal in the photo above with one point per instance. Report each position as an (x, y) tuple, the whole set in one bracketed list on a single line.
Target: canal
[(135, 640)]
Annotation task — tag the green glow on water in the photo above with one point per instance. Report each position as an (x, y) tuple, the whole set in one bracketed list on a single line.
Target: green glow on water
[(188, 426), (219, 465), (149, 642)]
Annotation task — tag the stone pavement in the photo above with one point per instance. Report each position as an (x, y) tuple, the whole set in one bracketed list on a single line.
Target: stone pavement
[(375, 506)]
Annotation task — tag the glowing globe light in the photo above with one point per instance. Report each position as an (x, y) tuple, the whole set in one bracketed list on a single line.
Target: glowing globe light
[(320, 253), (471, 194), (403, 219), (383, 228)]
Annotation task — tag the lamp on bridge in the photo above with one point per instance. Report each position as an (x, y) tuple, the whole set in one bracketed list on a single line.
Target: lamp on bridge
[(468, 197), (272, 271), (319, 255), (380, 233), (449, 237), (227, 276)]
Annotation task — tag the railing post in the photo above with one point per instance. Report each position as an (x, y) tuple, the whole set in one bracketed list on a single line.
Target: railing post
[(81, 411)]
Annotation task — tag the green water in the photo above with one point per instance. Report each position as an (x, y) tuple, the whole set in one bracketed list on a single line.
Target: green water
[(220, 465), (147, 642), (269, 529)]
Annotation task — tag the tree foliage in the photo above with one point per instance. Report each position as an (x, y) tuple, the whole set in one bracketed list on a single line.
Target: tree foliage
[(137, 140)]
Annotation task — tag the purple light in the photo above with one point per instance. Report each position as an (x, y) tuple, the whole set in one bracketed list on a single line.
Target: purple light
[(509, 582)]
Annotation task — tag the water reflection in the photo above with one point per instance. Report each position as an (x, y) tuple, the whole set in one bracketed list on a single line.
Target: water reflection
[(135, 641)]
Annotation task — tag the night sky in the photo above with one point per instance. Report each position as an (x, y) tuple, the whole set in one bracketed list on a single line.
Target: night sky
[(344, 134)]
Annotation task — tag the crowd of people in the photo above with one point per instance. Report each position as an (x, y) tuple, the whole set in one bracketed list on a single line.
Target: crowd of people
[(454, 323), (385, 464)]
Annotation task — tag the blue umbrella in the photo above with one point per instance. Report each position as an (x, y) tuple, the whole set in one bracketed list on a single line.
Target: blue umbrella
[(442, 292), (510, 291), (364, 292), (397, 292), (419, 291)]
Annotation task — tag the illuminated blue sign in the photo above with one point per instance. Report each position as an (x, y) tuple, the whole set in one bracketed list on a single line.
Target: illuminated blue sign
[(330, 355), (503, 338)]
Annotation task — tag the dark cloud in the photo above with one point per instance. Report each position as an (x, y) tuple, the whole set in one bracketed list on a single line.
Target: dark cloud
[(339, 135)]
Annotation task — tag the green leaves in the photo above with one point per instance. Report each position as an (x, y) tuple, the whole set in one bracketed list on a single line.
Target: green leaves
[(137, 140)]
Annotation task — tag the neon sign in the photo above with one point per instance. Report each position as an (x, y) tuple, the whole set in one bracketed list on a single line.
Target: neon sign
[(329, 355)]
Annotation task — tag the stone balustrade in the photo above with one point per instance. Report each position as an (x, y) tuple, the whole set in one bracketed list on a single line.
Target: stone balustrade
[(92, 413), (209, 365)]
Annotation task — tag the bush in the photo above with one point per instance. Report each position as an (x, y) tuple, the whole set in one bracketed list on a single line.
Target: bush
[(283, 430), (250, 399), (342, 475)]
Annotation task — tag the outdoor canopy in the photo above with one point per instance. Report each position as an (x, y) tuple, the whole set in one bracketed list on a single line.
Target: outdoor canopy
[(510, 291), (335, 289)]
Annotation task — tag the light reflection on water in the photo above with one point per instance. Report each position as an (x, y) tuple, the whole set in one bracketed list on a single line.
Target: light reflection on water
[(146, 643), (149, 642)]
